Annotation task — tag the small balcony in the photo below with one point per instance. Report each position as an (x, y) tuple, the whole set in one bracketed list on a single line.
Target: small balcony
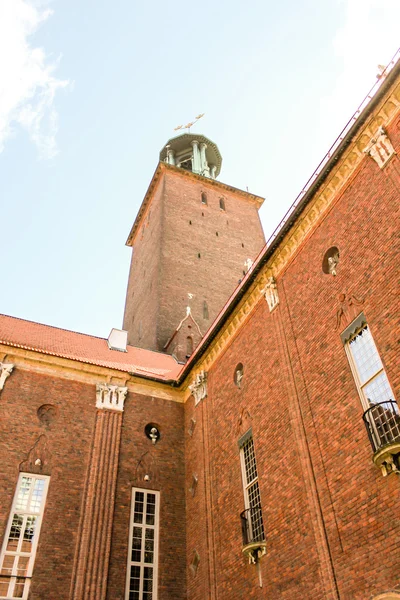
[(254, 544), (382, 421)]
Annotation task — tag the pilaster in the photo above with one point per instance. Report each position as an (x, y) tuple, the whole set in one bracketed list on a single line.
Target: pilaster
[(89, 580)]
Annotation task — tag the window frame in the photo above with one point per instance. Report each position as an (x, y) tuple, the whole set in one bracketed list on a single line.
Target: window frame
[(354, 369), (141, 563), (20, 553), (246, 439)]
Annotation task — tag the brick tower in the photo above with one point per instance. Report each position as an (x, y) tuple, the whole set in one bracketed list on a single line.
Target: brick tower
[(190, 242)]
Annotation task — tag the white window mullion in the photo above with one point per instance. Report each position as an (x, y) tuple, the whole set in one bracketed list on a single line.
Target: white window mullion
[(144, 526), (28, 512)]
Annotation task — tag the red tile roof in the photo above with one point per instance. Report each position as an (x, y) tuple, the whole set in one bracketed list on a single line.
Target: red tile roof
[(86, 348)]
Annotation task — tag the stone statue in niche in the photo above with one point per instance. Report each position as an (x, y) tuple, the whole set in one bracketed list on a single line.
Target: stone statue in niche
[(238, 376), (333, 262), (152, 432), (271, 293), (47, 414)]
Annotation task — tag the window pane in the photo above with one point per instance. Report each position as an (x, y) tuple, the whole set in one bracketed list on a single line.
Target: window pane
[(7, 566), (15, 533), (250, 461), (4, 581), (37, 495), (378, 390), (19, 587), (23, 493), (28, 534), (22, 567), (365, 355)]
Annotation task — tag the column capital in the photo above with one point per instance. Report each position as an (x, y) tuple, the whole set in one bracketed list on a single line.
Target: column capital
[(111, 397), (5, 371)]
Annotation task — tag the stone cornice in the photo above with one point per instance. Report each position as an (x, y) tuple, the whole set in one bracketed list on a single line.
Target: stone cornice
[(316, 208), (163, 167)]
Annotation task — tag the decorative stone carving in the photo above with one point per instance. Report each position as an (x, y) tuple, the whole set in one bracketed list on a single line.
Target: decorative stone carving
[(194, 565), (146, 469), (347, 310), (47, 413), (5, 371), (199, 387), (111, 397), (192, 427), (193, 485), (380, 148), (38, 459), (248, 264), (331, 261), (152, 432), (271, 293), (238, 376)]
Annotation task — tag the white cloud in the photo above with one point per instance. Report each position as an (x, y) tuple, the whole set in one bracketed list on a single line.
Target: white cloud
[(27, 81)]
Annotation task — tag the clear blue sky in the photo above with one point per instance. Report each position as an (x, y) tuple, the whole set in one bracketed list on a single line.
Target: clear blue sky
[(277, 81)]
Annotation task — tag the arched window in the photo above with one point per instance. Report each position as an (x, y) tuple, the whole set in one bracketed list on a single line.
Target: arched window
[(222, 204), (205, 310), (189, 346), (203, 198)]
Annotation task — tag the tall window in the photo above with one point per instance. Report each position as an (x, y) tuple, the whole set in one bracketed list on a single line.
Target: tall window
[(251, 490), (203, 198), (222, 204), (20, 541), (143, 546), (367, 367)]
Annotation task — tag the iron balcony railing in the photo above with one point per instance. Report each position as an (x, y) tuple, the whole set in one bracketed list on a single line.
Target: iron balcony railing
[(252, 525), (382, 421)]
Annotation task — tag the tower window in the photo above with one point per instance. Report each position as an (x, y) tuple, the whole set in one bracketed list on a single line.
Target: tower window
[(143, 543), (222, 204), (22, 534), (203, 198), (205, 310), (186, 164), (199, 255)]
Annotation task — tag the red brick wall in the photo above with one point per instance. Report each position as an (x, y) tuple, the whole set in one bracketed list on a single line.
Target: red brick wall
[(69, 438), (142, 296), (324, 501), (164, 462), (165, 264)]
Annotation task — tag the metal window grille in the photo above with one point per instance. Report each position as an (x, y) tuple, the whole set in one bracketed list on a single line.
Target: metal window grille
[(255, 525), (143, 546), (20, 541)]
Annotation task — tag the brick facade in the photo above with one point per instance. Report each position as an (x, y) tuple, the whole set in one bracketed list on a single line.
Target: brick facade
[(184, 246), (330, 517)]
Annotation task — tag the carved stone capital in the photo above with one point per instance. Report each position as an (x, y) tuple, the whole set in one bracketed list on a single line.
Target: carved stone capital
[(199, 387), (270, 292), (380, 148), (111, 397), (5, 371)]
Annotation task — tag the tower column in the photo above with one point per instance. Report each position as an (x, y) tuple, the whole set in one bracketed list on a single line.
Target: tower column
[(196, 157), (170, 156), (89, 578)]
